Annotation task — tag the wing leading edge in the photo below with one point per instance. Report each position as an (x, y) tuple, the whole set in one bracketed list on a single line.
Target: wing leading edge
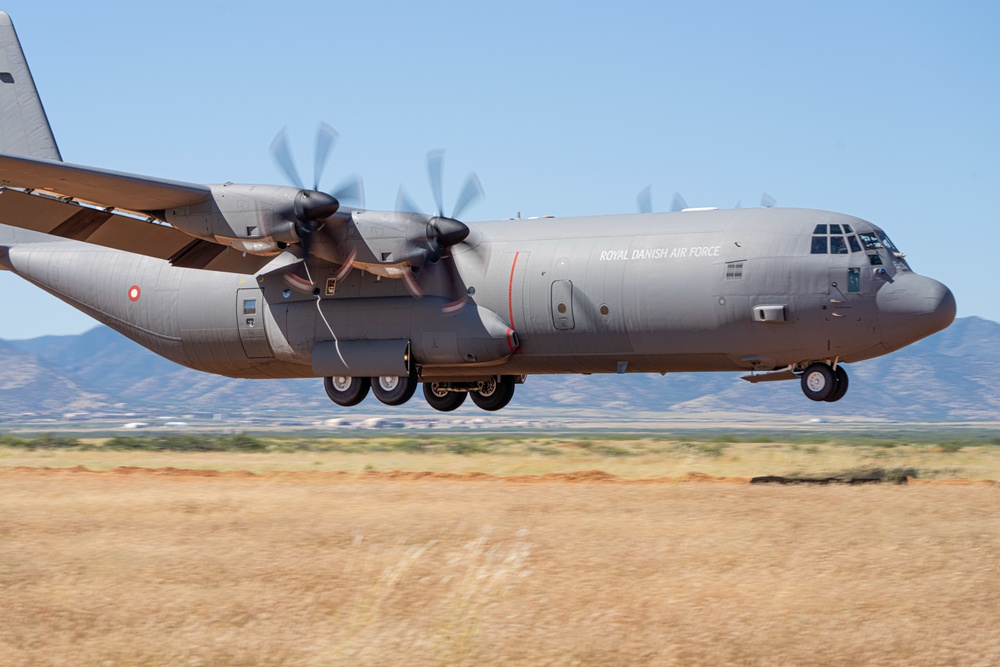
[(102, 186)]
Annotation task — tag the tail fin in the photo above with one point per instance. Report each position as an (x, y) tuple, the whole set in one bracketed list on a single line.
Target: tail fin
[(24, 128)]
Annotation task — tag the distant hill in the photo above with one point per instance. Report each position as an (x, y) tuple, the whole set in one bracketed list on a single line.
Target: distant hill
[(949, 376)]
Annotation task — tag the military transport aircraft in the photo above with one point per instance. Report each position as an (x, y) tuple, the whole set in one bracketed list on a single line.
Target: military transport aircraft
[(273, 281)]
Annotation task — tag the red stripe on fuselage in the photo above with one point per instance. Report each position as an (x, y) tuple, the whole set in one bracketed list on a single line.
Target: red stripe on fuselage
[(510, 296)]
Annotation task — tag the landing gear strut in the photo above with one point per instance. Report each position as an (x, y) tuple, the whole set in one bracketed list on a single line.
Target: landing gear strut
[(820, 382)]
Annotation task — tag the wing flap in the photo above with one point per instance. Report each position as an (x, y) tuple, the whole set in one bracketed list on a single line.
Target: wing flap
[(71, 220), (105, 187)]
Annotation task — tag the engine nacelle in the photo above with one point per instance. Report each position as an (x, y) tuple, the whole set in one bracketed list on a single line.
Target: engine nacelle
[(258, 219)]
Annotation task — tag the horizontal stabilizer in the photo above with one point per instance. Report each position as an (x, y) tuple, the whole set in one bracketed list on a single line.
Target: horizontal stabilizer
[(100, 186)]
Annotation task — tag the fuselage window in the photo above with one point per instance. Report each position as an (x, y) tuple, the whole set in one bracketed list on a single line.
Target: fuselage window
[(819, 244), (875, 259), (837, 245), (855, 246), (853, 280), (820, 229), (249, 306)]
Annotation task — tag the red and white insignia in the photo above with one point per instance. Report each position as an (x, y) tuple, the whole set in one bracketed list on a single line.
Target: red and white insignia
[(133, 293)]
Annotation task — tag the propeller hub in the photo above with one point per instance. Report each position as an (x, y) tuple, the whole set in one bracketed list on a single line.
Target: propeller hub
[(313, 205), (447, 231)]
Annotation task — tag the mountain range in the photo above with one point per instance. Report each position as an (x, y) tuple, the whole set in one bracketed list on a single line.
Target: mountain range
[(949, 376)]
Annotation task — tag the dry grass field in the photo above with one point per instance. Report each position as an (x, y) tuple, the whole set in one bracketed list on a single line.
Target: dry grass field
[(327, 558)]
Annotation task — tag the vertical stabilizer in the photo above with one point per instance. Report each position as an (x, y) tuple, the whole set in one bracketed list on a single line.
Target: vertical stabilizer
[(24, 129)]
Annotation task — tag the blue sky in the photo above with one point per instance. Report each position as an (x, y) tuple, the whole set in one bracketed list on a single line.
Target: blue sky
[(884, 110)]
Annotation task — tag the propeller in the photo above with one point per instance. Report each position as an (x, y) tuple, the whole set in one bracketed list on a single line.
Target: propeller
[(644, 201), (312, 206), (678, 203), (442, 232)]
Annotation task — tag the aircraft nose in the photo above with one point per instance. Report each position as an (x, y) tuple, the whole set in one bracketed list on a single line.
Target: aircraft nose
[(912, 307)]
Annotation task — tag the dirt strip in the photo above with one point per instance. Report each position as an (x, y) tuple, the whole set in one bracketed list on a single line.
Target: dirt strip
[(574, 477)]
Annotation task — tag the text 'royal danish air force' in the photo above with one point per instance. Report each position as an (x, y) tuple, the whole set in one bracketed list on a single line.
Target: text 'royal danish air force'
[(659, 253)]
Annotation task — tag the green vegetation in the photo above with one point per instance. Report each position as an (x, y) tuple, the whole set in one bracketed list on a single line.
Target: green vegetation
[(188, 443), (875, 443), (42, 441)]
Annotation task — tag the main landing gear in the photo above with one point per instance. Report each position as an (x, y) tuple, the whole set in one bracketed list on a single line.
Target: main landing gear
[(491, 393), (821, 382)]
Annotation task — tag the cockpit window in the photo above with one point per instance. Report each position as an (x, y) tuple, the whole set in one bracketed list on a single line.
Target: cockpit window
[(870, 241), (875, 259), (885, 241), (827, 238)]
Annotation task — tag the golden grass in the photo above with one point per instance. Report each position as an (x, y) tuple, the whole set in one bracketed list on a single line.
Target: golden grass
[(152, 569)]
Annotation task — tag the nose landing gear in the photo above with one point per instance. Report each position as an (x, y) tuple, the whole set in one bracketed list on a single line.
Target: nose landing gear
[(822, 382)]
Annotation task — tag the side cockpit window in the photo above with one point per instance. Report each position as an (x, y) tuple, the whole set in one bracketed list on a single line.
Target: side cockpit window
[(834, 240), (886, 242), (870, 241)]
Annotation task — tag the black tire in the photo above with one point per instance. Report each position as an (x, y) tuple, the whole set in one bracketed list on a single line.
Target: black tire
[(393, 390), (346, 391), (445, 401), (842, 383), (497, 395), (819, 382)]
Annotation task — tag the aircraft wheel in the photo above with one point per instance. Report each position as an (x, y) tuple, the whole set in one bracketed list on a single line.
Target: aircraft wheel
[(841, 389), (442, 399), (346, 391), (496, 394), (819, 382), (394, 390)]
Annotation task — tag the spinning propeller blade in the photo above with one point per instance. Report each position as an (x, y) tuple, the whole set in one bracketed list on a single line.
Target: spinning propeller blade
[(678, 204), (441, 232), (644, 200), (312, 206)]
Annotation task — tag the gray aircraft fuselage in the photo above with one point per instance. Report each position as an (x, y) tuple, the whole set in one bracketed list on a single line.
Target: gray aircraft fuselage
[(662, 292)]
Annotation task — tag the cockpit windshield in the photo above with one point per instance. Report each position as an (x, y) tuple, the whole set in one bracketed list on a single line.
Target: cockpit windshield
[(834, 240), (842, 239), (877, 240)]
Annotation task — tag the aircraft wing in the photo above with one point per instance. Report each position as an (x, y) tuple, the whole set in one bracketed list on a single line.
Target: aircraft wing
[(79, 222), (105, 187)]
